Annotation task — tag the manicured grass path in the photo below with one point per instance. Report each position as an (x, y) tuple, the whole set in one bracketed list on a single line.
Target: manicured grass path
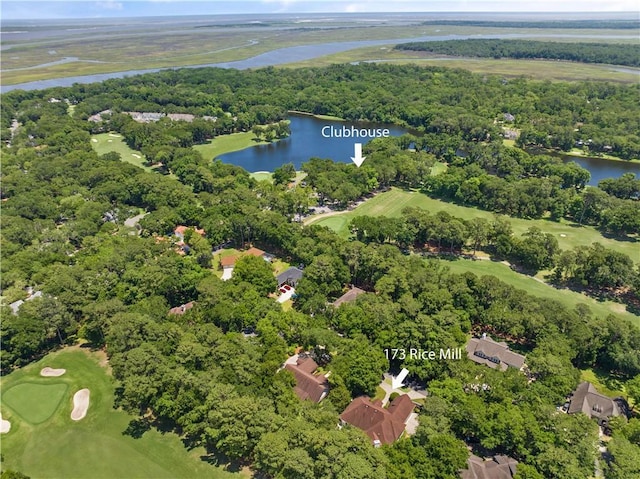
[(95, 446), (392, 202), (535, 287)]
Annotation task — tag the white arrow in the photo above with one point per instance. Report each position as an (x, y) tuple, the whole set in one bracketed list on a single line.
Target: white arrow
[(358, 158), (396, 382)]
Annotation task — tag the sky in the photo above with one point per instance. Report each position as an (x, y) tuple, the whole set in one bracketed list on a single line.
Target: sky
[(54, 9)]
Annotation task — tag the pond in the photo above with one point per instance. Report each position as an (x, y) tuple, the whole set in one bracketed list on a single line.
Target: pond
[(306, 141), (601, 168)]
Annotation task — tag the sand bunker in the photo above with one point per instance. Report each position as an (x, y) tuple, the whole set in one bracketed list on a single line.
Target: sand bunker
[(80, 404), (49, 372), (5, 425), (115, 136), (93, 140), (109, 141), (135, 156)]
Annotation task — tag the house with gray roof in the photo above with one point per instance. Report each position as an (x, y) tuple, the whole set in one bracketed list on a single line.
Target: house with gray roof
[(587, 400), (497, 467), (349, 296), (290, 276), (15, 306), (485, 350)]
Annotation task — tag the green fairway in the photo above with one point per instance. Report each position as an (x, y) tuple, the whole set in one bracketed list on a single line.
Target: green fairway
[(35, 402), (533, 286), (226, 144), (107, 142), (391, 203), (94, 447)]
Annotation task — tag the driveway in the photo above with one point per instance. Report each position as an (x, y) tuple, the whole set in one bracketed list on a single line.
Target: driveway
[(227, 273), (386, 385), (286, 296)]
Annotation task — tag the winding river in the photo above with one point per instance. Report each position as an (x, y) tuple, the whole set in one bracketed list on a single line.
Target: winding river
[(281, 56)]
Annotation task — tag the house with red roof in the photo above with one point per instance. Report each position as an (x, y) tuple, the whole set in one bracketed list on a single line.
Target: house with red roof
[(181, 230), (383, 426), (309, 385)]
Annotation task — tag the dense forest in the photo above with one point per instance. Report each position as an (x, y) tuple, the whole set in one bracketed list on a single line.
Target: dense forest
[(454, 106), (214, 374), (613, 53)]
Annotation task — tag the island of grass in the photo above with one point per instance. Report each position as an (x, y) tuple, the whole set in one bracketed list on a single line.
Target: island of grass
[(319, 117), (96, 446), (223, 144)]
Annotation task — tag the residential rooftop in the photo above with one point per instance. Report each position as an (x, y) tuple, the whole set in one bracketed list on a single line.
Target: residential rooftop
[(349, 296), (291, 276), (587, 400), (496, 355), (498, 467), (383, 426), (308, 385)]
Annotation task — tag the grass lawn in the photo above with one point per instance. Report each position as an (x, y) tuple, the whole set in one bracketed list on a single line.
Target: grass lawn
[(107, 142), (603, 382), (438, 168), (380, 394), (95, 446), (279, 266), (217, 269), (227, 143), (532, 286), (392, 202), (578, 152)]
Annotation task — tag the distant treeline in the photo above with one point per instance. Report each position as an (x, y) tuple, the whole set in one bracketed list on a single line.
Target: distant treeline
[(574, 24), (617, 54)]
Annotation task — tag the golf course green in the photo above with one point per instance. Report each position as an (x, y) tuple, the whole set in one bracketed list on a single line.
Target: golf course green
[(45, 443)]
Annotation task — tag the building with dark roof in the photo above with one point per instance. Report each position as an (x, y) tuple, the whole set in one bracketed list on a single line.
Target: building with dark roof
[(349, 296), (308, 385), (496, 355), (290, 276), (587, 400), (498, 467), (383, 426)]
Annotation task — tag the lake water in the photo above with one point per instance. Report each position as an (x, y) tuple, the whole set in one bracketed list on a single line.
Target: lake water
[(601, 168), (307, 141)]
